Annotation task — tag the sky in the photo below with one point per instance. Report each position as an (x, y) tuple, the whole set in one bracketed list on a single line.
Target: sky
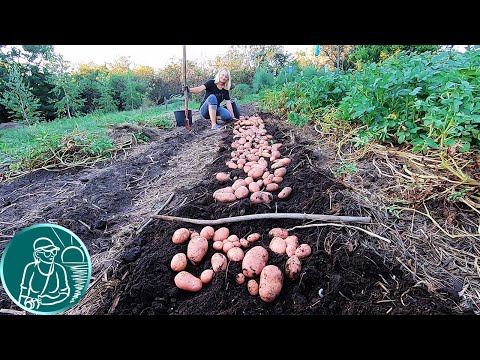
[(156, 56)]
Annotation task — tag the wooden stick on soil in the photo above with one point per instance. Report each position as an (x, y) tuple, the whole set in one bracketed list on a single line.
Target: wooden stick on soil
[(296, 216), (342, 225)]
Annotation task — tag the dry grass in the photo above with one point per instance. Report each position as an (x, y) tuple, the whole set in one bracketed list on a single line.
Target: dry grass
[(428, 206)]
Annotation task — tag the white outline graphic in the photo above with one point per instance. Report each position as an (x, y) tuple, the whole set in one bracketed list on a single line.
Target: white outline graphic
[(45, 270)]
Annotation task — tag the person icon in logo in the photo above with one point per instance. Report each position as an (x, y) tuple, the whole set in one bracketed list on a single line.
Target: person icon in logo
[(44, 281)]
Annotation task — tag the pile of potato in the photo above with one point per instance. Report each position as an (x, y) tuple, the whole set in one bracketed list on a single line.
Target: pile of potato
[(262, 163), (263, 279)]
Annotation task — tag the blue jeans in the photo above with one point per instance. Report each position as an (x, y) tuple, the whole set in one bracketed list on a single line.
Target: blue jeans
[(221, 111)]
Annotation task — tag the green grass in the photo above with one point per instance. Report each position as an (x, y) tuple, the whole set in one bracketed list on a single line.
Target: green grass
[(24, 148)]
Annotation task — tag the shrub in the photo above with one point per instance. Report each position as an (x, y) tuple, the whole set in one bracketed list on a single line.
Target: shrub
[(241, 90)]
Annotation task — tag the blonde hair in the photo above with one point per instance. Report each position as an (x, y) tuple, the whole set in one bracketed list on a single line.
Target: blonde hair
[(229, 82)]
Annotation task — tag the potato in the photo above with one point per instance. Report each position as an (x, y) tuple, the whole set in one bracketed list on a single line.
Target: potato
[(286, 191), (277, 146), (254, 261), (231, 165), (267, 181), (244, 243), (248, 180), (280, 172), (207, 232), (221, 176), (218, 245), (293, 267), (227, 189), (242, 192), (253, 237), (271, 282), (253, 187), (292, 240), (252, 287), (186, 281), (225, 197), (271, 187), (238, 183), (278, 245), (261, 197), (278, 232), (303, 250), (179, 262), (255, 173), (277, 179), (219, 262), (221, 234), (281, 163), (235, 254), (180, 235), (263, 163), (252, 157), (233, 238), (275, 155), (290, 250), (240, 278), (285, 161), (196, 249), (227, 245), (207, 275)]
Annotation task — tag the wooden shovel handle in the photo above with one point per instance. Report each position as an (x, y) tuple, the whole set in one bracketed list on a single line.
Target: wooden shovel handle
[(187, 120)]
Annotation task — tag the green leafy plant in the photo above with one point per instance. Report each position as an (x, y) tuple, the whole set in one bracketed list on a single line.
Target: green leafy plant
[(297, 119), (241, 91), (345, 168), (457, 195), (263, 78)]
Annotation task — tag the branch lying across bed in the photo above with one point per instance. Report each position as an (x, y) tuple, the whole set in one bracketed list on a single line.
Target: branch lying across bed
[(295, 216)]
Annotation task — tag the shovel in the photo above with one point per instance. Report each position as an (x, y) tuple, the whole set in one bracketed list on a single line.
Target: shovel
[(187, 120), (183, 118)]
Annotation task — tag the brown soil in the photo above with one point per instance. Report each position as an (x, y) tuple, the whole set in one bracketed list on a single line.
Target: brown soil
[(107, 204)]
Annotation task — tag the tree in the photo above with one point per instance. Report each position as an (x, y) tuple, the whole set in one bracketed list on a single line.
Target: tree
[(105, 103), (367, 54), (18, 98), (120, 65), (88, 84), (65, 89), (269, 56), (172, 76), (156, 89), (144, 71), (308, 58), (40, 55), (131, 95), (336, 55)]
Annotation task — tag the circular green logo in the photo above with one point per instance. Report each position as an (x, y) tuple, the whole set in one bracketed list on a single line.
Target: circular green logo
[(45, 269)]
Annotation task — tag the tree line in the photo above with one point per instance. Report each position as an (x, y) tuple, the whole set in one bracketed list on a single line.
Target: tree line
[(36, 84)]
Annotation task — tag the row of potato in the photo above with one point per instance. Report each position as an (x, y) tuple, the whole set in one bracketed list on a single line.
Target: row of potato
[(263, 279), (251, 152)]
